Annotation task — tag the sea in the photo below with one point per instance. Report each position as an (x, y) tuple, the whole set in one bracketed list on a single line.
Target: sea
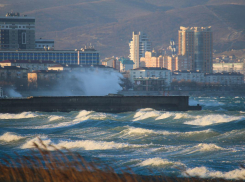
[(209, 143)]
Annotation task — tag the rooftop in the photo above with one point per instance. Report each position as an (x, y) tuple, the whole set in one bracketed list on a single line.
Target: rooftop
[(125, 61), (28, 61), (224, 73), (150, 68), (12, 68)]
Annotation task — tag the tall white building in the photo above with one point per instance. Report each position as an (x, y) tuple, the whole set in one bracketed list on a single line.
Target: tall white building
[(138, 46)]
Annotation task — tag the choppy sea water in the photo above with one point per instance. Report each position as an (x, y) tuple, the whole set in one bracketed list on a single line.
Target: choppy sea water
[(207, 143)]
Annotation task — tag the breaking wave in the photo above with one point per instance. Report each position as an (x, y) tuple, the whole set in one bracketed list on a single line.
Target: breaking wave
[(212, 119), (18, 116), (84, 144), (145, 113), (164, 115), (53, 118), (159, 162), (9, 137), (203, 147), (203, 172), (142, 131)]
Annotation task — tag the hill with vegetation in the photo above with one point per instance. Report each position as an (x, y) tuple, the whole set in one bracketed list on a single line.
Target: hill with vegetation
[(108, 24)]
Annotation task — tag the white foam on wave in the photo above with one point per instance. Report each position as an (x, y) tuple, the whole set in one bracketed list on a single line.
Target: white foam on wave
[(203, 147), (182, 115), (30, 143), (84, 144), (197, 132), (92, 145), (9, 137), (142, 131), (159, 162), (212, 119), (82, 116), (145, 113), (53, 118), (18, 116), (204, 172), (164, 115)]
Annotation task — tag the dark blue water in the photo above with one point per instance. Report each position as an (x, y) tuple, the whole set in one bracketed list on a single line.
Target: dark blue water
[(207, 143)]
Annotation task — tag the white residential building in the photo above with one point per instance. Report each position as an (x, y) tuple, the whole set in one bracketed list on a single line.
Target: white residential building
[(193, 76), (138, 46), (149, 72), (229, 67), (225, 78)]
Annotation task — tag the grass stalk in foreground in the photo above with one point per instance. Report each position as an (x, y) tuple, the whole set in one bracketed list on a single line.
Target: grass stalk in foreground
[(57, 166)]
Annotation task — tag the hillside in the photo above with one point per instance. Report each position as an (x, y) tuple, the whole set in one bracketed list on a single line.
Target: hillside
[(108, 24)]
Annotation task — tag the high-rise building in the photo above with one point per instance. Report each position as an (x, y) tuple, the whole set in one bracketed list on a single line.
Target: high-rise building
[(197, 43), (138, 46), (17, 32)]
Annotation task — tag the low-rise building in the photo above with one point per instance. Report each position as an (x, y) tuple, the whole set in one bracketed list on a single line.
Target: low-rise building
[(225, 78), (31, 65), (125, 64), (193, 76), (172, 63), (229, 67), (44, 78), (71, 67), (149, 84), (149, 72), (88, 56), (47, 44), (111, 62), (9, 73)]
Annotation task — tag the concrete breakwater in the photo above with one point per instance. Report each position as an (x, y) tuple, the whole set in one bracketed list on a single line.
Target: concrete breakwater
[(111, 104)]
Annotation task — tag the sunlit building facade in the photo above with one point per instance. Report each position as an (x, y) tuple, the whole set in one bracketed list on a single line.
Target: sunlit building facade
[(197, 43), (138, 46)]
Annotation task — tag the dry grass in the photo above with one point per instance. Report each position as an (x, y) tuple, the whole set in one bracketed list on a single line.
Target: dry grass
[(57, 166)]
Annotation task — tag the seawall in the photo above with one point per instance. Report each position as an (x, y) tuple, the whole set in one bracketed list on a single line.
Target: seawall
[(113, 104)]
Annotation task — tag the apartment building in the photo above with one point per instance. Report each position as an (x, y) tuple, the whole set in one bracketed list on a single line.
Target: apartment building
[(197, 43), (138, 46)]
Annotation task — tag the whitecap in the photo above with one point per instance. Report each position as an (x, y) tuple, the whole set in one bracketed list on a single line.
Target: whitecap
[(159, 162), (164, 115), (181, 115), (30, 143), (53, 118), (204, 172), (142, 131), (9, 137), (83, 144), (212, 119), (83, 115), (145, 113), (18, 116), (203, 147), (92, 145)]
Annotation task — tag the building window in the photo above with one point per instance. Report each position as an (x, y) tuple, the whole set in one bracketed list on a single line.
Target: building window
[(23, 38)]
